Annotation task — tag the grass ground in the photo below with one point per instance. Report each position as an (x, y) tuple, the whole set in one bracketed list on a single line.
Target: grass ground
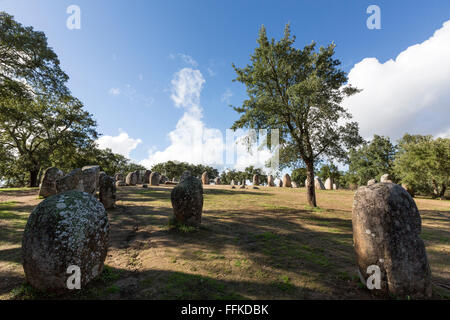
[(253, 244)]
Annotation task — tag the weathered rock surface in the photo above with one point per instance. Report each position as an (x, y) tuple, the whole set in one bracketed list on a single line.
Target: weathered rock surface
[(329, 184), (386, 229), (48, 183), (71, 181), (187, 201), (147, 176), (371, 182), (107, 191), (255, 180), (90, 178), (205, 179), (270, 181), (287, 183), (386, 178), (131, 179), (119, 177), (154, 179), (408, 189), (70, 228)]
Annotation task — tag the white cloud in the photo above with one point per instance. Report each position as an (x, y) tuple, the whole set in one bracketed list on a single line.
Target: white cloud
[(122, 144), (409, 94), (114, 91), (191, 141), (226, 96), (186, 59)]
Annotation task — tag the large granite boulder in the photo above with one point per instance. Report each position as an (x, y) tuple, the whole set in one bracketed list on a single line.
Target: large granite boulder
[(386, 229), (131, 179), (205, 179), (147, 176), (270, 181), (67, 229), (119, 177), (287, 183), (154, 179), (107, 191), (90, 178), (329, 184), (255, 180), (48, 184), (71, 181), (187, 201)]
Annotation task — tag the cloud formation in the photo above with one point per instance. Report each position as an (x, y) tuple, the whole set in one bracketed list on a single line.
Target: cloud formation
[(122, 144), (409, 94)]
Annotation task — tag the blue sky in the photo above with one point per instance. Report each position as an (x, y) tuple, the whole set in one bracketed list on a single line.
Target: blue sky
[(128, 57)]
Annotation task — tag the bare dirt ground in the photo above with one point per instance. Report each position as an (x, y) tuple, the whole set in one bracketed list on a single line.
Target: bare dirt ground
[(253, 244)]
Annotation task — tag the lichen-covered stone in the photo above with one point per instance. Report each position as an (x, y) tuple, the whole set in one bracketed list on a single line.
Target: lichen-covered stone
[(255, 180), (386, 228), (187, 201), (47, 187), (287, 181), (71, 181), (131, 179), (107, 191), (329, 184), (90, 178), (70, 228), (147, 176), (154, 179), (205, 179)]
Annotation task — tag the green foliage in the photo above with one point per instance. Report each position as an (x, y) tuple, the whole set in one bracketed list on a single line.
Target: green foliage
[(423, 163), (174, 169), (372, 160), (299, 176), (329, 171), (300, 93), (228, 175)]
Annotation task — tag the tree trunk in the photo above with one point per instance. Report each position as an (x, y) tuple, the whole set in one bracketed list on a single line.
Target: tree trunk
[(34, 178), (310, 189)]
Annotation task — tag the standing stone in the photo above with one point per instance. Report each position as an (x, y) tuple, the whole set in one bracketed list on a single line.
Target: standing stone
[(255, 180), (329, 184), (371, 182), (71, 181), (270, 181), (147, 176), (386, 178), (232, 183), (138, 176), (205, 179), (163, 179), (287, 183), (119, 177), (408, 189), (280, 183), (294, 184), (242, 185), (386, 229), (107, 191), (318, 184), (90, 178), (335, 187), (48, 183), (187, 201), (217, 181), (131, 179), (120, 184), (154, 179), (175, 180), (67, 229)]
